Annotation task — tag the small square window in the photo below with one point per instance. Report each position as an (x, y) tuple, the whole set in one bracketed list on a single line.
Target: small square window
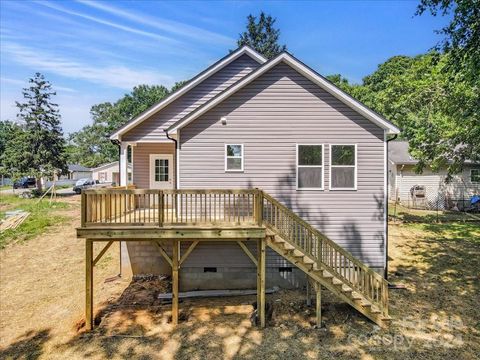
[(234, 157)]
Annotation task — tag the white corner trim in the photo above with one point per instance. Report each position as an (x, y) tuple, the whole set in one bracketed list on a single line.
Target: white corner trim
[(355, 174), (305, 71), (385, 198), (177, 162), (169, 99)]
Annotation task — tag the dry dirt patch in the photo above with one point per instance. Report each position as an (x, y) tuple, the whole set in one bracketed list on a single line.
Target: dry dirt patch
[(42, 293)]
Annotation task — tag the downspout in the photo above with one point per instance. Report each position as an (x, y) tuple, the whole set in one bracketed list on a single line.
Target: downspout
[(386, 233), (176, 152)]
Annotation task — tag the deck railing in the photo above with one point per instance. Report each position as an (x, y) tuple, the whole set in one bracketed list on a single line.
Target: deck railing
[(329, 256), (159, 208), (141, 207)]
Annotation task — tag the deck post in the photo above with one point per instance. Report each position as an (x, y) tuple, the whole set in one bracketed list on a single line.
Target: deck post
[(83, 209), (318, 303), (259, 207), (261, 282), (175, 260), (309, 293), (89, 284), (161, 208)]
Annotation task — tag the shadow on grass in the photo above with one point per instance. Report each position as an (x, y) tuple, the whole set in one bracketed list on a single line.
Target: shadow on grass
[(439, 264), (28, 346)]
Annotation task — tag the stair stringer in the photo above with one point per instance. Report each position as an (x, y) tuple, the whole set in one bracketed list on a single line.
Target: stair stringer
[(317, 275)]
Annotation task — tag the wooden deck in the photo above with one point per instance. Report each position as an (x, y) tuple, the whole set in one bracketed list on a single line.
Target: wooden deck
[(172, 216)]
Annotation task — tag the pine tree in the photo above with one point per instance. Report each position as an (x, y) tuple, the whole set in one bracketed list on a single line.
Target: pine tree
[(39, 148), (262, 36)]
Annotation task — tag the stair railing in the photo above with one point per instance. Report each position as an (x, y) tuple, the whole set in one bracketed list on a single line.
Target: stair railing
[(328, 255)]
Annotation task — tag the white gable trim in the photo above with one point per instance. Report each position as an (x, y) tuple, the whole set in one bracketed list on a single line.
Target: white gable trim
[(245, 50), (305, 71)]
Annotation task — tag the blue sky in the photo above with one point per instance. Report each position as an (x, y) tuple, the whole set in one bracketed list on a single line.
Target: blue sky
[(96, 51)]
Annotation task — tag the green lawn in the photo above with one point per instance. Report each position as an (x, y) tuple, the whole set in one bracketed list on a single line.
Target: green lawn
[(42, 215)]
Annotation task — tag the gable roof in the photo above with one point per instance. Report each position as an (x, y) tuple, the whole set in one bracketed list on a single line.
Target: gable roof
[(312, 75), (398, 153), (77, 167), (108, 165), (220, 64)]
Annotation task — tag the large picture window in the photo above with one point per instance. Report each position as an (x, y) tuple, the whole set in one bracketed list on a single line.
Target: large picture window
[(310, 167), (234, 157), (343, 167)]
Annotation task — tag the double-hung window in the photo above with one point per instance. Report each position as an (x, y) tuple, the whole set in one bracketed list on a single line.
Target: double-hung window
[(233, 157), (310, 167), (343, 167)]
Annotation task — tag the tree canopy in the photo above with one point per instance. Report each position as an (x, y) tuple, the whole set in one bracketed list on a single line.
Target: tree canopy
[(91, 145), (37, 145), (262, 36)]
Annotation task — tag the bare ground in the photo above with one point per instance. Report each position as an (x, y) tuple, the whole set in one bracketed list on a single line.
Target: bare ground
[(42, 297)]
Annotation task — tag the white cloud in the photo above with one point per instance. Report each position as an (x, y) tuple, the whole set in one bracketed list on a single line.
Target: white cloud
[(174, 27), (109, 23), (116, 76), (24, 83)]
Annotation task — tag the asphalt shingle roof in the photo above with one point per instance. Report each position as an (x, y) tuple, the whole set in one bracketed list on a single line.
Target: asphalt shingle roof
[(398, 153)]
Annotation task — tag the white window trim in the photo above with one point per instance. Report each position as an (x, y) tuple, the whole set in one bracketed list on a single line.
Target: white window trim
[(352, 166), (473, 182), (234, 157), (312, 166)]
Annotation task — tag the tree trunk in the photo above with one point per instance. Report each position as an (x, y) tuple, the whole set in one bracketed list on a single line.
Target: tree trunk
[(39, 183)]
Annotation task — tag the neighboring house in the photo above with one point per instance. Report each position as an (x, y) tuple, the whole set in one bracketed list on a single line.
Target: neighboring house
[(109, 173), (75, 172), (276, 125), (438, 193)]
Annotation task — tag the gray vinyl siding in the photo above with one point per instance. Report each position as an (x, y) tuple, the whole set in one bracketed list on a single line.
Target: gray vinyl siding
[(141, 161), (270, 116), (152, 128)]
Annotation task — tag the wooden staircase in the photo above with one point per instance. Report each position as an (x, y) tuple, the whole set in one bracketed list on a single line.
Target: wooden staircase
[(325, 262)]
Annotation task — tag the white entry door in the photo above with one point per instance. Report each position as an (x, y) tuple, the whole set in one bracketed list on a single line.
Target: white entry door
[(161, 171)]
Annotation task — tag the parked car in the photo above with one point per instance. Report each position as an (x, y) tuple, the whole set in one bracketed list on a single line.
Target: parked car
[(25, 182), (84, 183)]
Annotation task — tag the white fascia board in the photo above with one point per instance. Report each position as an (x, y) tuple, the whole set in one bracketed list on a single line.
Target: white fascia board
[(305, 71), (169, 99)]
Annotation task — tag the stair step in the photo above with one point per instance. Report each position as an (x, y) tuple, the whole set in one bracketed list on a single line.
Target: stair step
[(287, 246), (336, 281), (346, 288), (327, 275), (298, 253), (356, 296), (278, 239), (307, 260), (375, 310), (366, 303)]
